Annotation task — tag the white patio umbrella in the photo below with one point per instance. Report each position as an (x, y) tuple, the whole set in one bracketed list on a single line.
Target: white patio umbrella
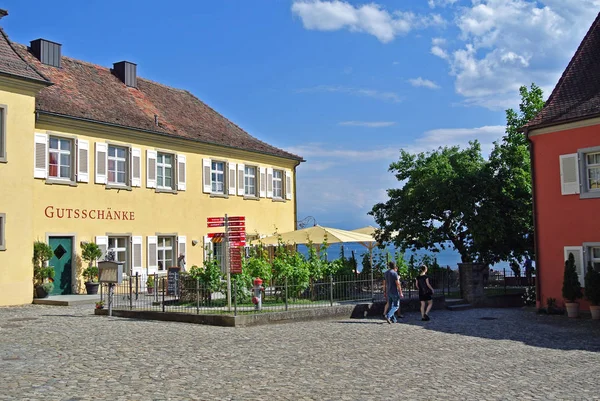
[(317, 235)]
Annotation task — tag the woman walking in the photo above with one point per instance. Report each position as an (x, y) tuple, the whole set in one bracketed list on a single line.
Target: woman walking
[(425, 293)]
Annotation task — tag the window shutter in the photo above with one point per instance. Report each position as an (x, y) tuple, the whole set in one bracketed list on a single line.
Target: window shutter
[(208, 248), (263, 182), (569, 174), (152, 254), (181, 173), (136, 242), (240, 180), (577, 252), (136, 167), (231, 178), (102, 242), (181, 242), (269, 182), (206, 183), (101, 156), (151, 169), (288, 184), (83, 148), (40, 162)]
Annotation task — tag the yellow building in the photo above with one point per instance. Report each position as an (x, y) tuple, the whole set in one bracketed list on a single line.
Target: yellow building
[(89, 153)]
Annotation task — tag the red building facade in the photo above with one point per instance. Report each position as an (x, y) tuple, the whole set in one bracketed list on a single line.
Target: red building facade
[(565, 151)]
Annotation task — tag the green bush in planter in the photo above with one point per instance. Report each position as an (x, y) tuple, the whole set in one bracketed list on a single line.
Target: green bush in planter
[(571, 290), (150, 282), (592, 285), (42, 252), (90, 274)]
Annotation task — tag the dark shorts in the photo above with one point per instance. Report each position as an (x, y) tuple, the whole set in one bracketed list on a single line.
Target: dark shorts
[(424, 297)]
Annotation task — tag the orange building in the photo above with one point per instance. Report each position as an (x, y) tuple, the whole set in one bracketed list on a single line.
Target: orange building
[(565, 150)]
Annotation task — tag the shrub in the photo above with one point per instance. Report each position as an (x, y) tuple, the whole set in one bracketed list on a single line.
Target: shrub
[(571, 290), (90, 274), (150, 281), (592, 285), (42, 252)]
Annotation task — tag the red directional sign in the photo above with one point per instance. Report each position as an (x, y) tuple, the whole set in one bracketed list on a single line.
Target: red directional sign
[(235, 260), (237, 228), (221, 224), (216, 235), (236, 218), (239, 234), (238, 243), (215, 219), (237, 224)]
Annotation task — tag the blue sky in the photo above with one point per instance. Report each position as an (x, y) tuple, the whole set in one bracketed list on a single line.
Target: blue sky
[(343, 84)]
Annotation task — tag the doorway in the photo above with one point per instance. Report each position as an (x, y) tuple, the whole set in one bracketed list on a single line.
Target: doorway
[(62, 257)]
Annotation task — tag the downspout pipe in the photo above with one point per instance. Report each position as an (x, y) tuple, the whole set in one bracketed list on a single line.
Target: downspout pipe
[(536, 247)]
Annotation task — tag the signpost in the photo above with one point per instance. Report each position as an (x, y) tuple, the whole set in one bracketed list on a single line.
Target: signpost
[(173, 281), (234, 239)]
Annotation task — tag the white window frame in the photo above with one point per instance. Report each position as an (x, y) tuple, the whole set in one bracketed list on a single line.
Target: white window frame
[(161, 250), (117, 159), (59, 152), (2, 231), (117, 250), (278, 192), (215, 173), (247, 177), (585, 190), (160, 169), (3, 113)]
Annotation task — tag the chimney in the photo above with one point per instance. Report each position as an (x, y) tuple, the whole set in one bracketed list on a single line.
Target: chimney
[(126, 72), (46, 51)]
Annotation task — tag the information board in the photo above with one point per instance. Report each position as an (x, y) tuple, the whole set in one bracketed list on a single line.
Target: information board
[(173, 275)]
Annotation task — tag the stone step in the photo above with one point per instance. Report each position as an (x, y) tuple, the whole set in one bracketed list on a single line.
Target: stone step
[(458, 307)]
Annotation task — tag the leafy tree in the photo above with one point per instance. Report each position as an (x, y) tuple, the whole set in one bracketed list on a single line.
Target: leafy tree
[(438, 202), (453, 197), (507, 213)]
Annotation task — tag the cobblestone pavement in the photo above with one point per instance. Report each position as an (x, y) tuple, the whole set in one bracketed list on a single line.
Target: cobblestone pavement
[(67, 353)]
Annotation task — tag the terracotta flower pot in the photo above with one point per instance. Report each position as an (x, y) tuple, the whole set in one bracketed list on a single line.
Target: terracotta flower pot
[(595, 310), (572, 309)]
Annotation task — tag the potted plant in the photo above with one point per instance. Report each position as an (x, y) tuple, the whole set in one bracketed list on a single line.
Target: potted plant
[(571, 290), (592, 290), (100, 305), (150, 284), (43, 276), (90, 252)]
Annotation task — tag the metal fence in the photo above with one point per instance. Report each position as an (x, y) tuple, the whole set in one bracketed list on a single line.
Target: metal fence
[(505, 281), (188, 295)]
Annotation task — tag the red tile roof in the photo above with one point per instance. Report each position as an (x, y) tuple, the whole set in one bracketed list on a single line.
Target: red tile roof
[(91, 92), (12, 64), (577, 93)]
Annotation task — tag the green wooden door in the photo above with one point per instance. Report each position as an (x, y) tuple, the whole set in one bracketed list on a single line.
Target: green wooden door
[(62, 247)]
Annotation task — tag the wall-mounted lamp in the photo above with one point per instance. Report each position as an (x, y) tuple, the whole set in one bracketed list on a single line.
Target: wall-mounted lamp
[(194, 242)]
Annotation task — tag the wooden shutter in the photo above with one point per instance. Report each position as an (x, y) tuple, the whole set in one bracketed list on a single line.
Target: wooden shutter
[(136, 242), (136, 167), (206, 179), (269, 182), (40, 161), (83, 165), (102, 242), (101, 162), (181, 173), (208, 249), (231, 178), (263, 182), (181, 242), (240, 179), (569, 174), (152, 254), (288, 184), (151, 169), (577, 252)]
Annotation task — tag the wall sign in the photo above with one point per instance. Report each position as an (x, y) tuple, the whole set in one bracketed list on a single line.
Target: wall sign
[(53, 212)]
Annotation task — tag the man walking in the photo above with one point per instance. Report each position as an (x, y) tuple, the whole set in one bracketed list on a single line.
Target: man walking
[(392, 291)]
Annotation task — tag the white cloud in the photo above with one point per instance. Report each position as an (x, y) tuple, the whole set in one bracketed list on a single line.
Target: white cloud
[(435, 138), (319, 150), (504, 44), (425, 83), (440, 3), (381, 95), (368, 124), (369, 18)]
